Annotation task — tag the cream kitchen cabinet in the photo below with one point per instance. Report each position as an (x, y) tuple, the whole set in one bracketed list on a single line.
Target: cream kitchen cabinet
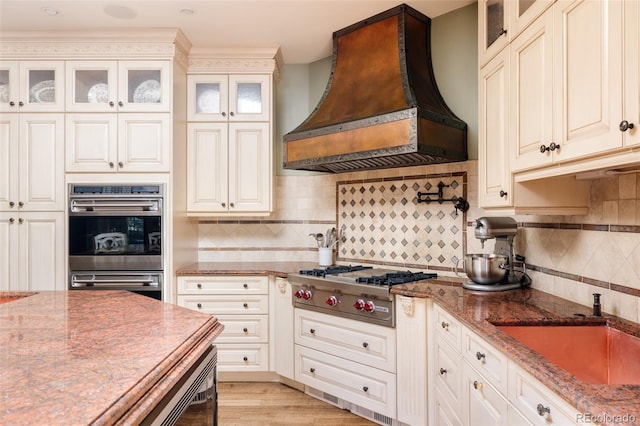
[(411, 369), (500, 21), (123, 86), (349, 359), (31, 159), (241, 303), (32, 86), (32, 251), (475, 383), (118, 142), (229, 98), (230, 169), (282, 331)]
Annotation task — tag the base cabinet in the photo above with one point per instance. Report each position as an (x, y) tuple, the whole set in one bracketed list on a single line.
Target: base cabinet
[(474, 383), (282, 320), (241, 304)]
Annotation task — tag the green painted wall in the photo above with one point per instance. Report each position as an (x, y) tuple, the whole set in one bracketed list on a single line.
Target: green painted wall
[(454, 50)]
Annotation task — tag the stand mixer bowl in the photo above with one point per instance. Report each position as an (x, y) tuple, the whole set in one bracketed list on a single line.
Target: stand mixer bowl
[(485, 268)]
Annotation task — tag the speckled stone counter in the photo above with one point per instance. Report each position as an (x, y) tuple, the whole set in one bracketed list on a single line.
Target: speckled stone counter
[(93, 357), (279, 269), (480, 310)]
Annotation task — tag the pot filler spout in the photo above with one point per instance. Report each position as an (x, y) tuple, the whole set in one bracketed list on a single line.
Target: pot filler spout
[(381, 107)]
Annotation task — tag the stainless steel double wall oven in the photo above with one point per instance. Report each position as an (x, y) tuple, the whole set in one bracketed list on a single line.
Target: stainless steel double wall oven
[(115, 237)]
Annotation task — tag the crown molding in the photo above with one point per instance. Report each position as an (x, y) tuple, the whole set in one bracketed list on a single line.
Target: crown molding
[(236, 60)]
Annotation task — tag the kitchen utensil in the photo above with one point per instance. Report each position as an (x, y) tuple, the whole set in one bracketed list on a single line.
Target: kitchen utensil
[(485, 268), (318, 237)]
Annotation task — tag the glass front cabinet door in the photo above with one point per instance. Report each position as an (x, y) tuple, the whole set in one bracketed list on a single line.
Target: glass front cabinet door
[(229, 98), (112, 86), (32, 86)]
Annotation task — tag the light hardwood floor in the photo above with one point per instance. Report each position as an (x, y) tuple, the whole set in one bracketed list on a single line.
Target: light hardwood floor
[(244, 404)]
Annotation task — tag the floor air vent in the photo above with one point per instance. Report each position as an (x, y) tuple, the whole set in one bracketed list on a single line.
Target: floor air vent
[(355, 409)]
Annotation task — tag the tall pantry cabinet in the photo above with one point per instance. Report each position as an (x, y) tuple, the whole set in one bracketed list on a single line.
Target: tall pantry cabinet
[(31, 175), (230, 108), (85, 107)]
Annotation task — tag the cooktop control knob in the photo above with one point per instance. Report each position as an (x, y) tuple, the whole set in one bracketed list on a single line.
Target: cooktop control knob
[(332, 301), (369, 306), (306, 294), (359, 304), (299, 293)]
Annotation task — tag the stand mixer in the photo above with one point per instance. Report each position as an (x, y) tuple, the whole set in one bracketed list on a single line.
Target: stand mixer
[(503, 230)]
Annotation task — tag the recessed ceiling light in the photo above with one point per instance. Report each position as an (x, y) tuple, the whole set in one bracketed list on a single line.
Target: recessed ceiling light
[(186, 11), (49, 11)]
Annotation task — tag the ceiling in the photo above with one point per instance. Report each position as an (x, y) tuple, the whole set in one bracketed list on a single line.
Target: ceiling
[(302, 28)]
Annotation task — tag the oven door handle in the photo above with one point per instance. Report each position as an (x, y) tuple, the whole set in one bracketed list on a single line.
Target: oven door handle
[(97, 282), (81, 205)]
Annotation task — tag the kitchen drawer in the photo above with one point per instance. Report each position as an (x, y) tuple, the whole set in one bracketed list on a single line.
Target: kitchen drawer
[(241, 357), (528, 395), (447, 327), (211, 284), (244, 329), (369, 344), (447, 372), (483, 404), (220, 305), (367, 387), (486, 359)]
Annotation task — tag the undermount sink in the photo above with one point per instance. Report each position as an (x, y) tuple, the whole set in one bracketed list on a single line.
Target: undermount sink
[(597, 354)]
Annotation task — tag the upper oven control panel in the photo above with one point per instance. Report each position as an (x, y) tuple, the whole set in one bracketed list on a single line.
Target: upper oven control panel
[(119, 190)]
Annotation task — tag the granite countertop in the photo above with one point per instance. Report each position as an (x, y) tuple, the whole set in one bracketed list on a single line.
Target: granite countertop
[(93, 357), (279, 269), (479, 311)]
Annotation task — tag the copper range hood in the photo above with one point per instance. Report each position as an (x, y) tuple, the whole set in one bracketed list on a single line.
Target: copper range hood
[(381, 107)]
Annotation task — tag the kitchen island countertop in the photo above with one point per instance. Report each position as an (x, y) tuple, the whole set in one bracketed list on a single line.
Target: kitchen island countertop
[(93, 357), (478, 311)]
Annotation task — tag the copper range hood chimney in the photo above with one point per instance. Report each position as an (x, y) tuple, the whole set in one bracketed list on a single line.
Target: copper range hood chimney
[(381, 107)]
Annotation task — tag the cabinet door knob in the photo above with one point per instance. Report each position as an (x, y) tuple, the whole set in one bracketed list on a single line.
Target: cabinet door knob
[(245, 359), (542, 410), (20, 220), (365, 388), (232, 114), (224, 204), (246, 305), (21, 103), (477, 384), (11, 204), (12, 103), (443, 371), (365, 345), (312, 331), (120, 103), (245, 285), (11, 220), (445, 325), (199, 305), (20, 204), (625, 125), (199, 285), (232, 205), (224, 114), (503, 31), (112, 104), (313, 370), (479, 355), (111, 164), (245, 330), (503, 194), (120, 164), (552, 147)]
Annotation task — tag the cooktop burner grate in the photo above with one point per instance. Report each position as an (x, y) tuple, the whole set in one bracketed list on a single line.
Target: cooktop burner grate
[(396, 278), (333, 270)]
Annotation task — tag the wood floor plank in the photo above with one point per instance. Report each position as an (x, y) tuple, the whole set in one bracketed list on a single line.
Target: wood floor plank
[(272, 404)]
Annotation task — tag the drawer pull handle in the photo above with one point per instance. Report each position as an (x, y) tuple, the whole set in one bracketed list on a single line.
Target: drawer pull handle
[(477, 384), (542, 410), (199, 305), (245, 285), (199, 285), (245, 359), (246, 305), (313, 370), (365, 388), (443, 371), (445, 325), (312, 331), (365, 345), (479, 355), (246, 330)]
